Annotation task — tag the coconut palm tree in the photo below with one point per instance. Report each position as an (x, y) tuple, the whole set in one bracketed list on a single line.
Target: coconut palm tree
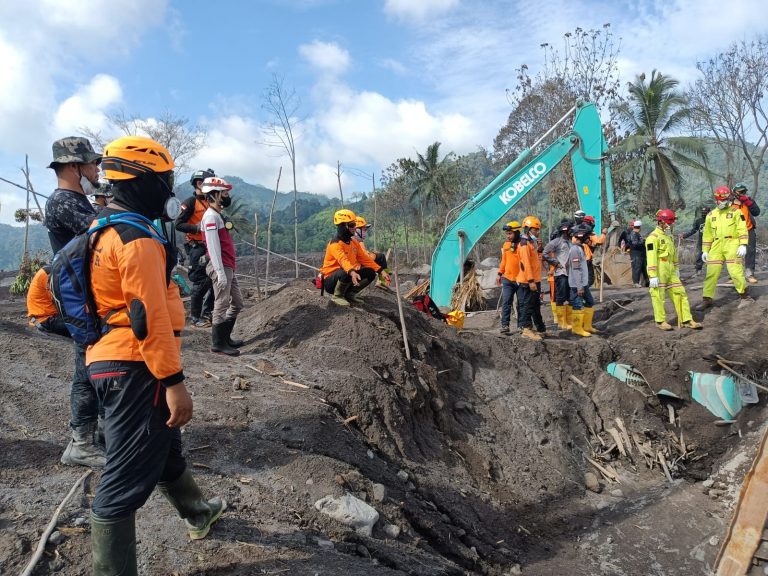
[(652, 116)]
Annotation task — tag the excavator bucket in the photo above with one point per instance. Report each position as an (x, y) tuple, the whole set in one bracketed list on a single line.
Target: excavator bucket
[(618, 267)]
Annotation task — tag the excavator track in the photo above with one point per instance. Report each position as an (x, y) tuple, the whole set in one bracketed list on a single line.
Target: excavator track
[(744, 551)]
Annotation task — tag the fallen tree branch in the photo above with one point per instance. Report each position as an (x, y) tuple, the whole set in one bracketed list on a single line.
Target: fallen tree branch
[(732, 371), (622, 307), (51, 525)]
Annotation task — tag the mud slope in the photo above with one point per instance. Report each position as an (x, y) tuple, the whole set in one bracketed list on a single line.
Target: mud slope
[(473, 452)]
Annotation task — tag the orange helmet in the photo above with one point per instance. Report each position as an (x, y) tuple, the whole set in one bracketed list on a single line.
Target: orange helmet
[(667, 216), (361, 223), (531, 222), (723, 194), (131, 156)]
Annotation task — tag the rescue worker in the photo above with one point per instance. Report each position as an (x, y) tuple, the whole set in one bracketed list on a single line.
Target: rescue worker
[(201, 299), (636, 246), (578, 279), (101, 196), (578, 217), (509, 268), (556, 255), (361, 233), (664, 273), (593, 241), (228, 301), (347, 268), (529, 280), (698, 228), (724, 240), (136, 366), (41, 310), (750, 209), (68, 212)]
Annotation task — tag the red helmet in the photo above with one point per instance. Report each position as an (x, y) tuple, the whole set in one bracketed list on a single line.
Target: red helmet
[(722, 194), (667, 216), (589, 220)]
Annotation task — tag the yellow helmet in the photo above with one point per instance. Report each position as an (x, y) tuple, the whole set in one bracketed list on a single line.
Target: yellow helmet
[(531, 222), (132, 156), (361, 223), (343, 217), (511, 226)]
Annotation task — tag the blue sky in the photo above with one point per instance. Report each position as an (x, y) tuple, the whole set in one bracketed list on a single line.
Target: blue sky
[(377, 79)]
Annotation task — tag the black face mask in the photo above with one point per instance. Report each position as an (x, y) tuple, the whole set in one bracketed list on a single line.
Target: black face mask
[(149, 194), (225, 201), (344, 232)]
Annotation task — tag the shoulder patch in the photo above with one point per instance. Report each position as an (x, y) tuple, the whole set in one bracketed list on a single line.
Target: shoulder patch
[(211, 226)]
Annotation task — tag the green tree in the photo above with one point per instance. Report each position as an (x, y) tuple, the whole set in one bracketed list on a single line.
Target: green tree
[(652, 115)]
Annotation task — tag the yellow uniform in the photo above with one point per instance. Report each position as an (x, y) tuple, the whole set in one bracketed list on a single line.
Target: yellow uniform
[(725, 229), (663, 264)]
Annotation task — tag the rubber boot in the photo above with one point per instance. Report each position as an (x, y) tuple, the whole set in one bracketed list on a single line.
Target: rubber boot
[(568, 316), (198, 514), (705, 303), (577, 326), (113, 546), (231, 326), (83, 450), (339, 292), (560, 316), (353, 294), (553, 305), (219, 335), (589, 313)]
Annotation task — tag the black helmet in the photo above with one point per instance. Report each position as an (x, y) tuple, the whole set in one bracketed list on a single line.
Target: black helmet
[(580, 231), (704, 210), (201, 175), (565, 225)]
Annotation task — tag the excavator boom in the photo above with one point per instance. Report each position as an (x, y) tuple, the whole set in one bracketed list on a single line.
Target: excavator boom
[(586, 146)]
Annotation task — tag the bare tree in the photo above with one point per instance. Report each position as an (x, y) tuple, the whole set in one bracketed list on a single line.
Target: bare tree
[(269, 231), (182, 139), (282, 104), (730, 103), (338, 177)]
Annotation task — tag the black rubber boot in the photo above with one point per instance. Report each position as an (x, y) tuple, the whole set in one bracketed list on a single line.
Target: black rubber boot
[(113, 546), (219, 335), (231, 326), (339, 293), (353, 293), (83, 450), (198, 514), (705, 303)]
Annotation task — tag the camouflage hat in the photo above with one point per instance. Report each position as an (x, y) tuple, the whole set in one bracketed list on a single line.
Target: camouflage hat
[(73, 149)]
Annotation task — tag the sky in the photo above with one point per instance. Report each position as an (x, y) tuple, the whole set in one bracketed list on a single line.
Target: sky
[(376, 80)]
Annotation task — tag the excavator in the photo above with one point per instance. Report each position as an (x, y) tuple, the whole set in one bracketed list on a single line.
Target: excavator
[(584, 143)]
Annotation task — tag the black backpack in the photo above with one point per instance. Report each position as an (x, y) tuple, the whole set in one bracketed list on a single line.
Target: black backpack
[(70, 277)]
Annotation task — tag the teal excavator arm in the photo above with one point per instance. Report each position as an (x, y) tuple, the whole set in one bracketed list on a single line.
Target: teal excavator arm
[(587, 147)]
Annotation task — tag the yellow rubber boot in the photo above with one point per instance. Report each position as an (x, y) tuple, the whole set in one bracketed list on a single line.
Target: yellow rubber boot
[(589, 313), (577, 326), (568, 316), (560, 316), (553, 305)]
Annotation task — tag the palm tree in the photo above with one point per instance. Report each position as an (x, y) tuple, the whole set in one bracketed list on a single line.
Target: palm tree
[(651, 115)]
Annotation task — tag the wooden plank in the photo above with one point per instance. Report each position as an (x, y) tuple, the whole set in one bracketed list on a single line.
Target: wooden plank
[(749, 518)]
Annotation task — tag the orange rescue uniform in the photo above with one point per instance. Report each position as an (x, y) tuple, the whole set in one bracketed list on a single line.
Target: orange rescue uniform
[(39, 298), (197, 215), (530, 262), (346, 256), (510, 262), (129, 276)]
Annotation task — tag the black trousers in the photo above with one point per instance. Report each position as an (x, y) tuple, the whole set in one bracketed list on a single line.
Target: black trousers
[(53, 325), (562, 290), (329, 284), (141, 449), (201, 298), (639, 271), (749, 260), (530, 304), (381, 260)]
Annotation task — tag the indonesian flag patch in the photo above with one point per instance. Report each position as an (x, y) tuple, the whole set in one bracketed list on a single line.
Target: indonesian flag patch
[(211, 226)]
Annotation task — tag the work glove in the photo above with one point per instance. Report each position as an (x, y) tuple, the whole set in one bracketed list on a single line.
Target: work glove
[(654, 283), (221, 278), (704, 257), (741, 251)]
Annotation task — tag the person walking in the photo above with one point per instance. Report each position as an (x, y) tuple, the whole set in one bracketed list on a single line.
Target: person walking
[(750, 210), (509, 268), (228, 301), (201, 300), (68, 212), (136, 365), (724, 241)]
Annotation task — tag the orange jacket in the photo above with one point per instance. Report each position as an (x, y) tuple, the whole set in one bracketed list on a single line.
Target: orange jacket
[(132, 291), (747, 216), (39, 299), (594, 240), (347, 256), (530, 262), (510, 261), (193, 218)]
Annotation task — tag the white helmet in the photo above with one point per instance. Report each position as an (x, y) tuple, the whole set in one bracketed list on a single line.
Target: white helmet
[(215, 184), (637, 224)]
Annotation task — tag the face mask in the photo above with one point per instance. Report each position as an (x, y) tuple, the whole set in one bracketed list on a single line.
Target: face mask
[(723, 205), (172, 209), (360, 232), (225, 201), (88, 187)]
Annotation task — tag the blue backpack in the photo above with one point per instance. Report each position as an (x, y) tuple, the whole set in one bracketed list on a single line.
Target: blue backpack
[(70, 277)]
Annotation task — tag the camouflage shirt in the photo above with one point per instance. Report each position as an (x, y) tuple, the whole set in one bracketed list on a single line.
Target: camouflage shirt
[(67, 213)]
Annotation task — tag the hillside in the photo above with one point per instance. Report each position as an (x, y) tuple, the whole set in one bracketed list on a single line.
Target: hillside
[(12, 241)]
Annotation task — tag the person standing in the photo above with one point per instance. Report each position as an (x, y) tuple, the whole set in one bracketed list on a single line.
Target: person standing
[(68, 213), (136, 365), (593, 241), (556, 255), (201, 299), (750, 210), (509, 268), (724, 241), (529, 280), (664, 274), (228, 301), (698, 228), (636, 246), (578, 279)]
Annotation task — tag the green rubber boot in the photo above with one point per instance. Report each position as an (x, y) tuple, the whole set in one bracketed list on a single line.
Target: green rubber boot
[(353, 294), (198, 514), (113, 546), (338, 293)]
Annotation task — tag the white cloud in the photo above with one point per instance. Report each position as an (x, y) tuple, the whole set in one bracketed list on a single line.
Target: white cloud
[(88, 106), (418, 9), (394, 65), (326, 57)]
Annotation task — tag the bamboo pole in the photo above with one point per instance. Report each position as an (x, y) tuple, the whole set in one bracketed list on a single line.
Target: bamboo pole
[(400, 305), (269, 230)]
